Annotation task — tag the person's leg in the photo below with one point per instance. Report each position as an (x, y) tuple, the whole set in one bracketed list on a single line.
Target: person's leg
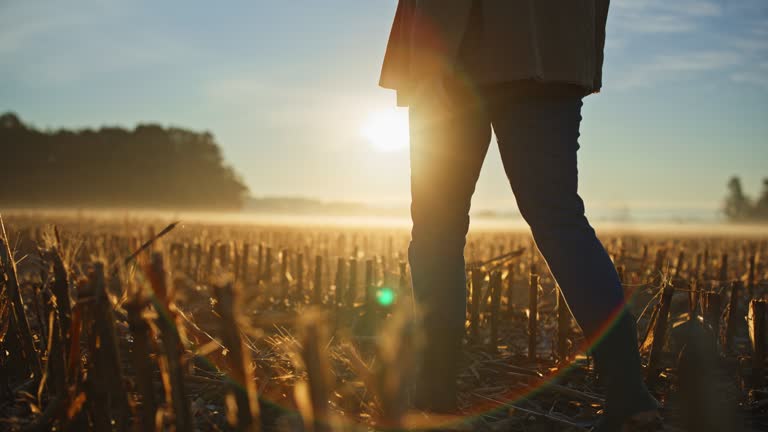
[(538, 141), (447, 152)]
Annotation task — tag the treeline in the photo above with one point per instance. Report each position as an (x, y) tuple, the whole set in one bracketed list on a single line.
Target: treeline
[(741, 208), (147, 167)]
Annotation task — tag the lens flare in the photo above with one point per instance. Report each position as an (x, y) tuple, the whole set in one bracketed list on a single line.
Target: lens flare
[(385, 296)]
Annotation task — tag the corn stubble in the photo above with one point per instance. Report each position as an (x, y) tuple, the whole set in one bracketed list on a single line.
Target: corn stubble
[(219, 327)]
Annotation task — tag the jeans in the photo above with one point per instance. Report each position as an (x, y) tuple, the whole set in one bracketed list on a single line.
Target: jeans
[(537, 129)]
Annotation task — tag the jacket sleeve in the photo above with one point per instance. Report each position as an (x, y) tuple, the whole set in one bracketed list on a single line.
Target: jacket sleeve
[(396, 65), (601, 19)]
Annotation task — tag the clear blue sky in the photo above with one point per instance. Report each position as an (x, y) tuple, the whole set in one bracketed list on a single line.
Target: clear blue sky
[(285, 85)]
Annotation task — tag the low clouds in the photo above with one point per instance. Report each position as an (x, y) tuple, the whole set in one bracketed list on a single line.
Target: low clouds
[(657, 41), (682, 7), (758, 77), (655, 16), (53, 44), (669, 67)]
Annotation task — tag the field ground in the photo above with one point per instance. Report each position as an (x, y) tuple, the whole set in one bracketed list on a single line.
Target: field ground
[(113, 321)]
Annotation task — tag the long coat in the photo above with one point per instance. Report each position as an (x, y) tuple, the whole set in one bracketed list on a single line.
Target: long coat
[(544, 40)]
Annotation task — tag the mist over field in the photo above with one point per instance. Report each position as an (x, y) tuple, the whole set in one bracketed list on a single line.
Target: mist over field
[(383, 220)]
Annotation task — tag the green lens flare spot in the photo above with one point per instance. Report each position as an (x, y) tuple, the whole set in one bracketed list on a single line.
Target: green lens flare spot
[(385, 296)]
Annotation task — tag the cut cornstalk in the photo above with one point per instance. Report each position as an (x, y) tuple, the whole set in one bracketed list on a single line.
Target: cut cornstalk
[(369, 285), (244, 257), (495, 286), (658, 267), (756, 319), (533, 306), (751, 276), (693, 299), (679, 265), (60, 289), (187, 267), (268, 266), (172, 343), (351, 293), (241, 383), (338, 301), (317, 289), (403, 283), (314, 340), (723, 267), (142, 363), (284, 281), (236, 263), (198, 261), (731, 320), (56, 365), (109, 381), (477, 277), (299, 276), (19, 320), (660, 331), (711, 312), (225, 256), (621, 272), (210, 259), (259, 266), (563, 326), (510, 282)]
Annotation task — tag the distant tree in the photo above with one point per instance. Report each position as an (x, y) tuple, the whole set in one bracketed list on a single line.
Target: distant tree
[(149, 166), (737, 206), (10, 121), (761, 206)]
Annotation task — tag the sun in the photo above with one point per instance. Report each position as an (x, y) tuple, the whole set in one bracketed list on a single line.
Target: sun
[(386, 130)]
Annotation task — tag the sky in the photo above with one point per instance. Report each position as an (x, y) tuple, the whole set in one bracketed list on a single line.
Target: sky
[(287, 86)]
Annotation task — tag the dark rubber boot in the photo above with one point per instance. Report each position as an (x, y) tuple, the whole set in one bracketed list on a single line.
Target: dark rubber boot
[(435, 386), (617, 361)]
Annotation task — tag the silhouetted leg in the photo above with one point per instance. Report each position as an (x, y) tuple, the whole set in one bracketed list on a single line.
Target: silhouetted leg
[(538, 141), (446, 156)]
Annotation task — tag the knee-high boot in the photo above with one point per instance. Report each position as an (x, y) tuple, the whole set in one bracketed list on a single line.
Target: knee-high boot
[(617, 361)]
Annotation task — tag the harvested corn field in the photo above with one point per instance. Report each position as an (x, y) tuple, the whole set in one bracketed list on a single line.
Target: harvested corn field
[(144, 325)]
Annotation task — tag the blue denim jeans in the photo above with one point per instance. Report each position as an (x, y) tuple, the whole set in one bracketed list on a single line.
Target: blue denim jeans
[(537, 130), (538, 142)]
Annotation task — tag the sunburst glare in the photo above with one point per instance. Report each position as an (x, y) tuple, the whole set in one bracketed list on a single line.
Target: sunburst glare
[(386, 130)]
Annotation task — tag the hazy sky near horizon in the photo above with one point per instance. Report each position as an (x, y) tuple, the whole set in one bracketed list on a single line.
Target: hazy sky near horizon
[(286, 85)]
